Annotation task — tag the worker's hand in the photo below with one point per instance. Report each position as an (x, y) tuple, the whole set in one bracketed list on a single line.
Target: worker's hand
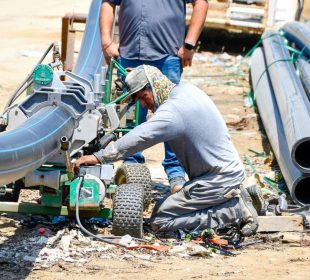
[(110, 51), (84, 160), (186, 56), (176, 189)]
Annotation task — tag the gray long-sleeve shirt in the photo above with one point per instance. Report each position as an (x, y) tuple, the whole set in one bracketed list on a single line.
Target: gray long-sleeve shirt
[(195, 130)]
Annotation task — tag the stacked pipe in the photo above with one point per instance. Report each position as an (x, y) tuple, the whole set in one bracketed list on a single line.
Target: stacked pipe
[(283, 104)]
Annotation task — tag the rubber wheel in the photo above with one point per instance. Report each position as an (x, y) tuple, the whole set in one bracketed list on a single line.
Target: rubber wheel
[(135, 173), (14, 196), (128, 210)]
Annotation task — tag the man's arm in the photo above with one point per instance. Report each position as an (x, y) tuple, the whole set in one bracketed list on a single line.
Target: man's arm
[(85, 160), (200, 9), (109, 48), (162, 127)]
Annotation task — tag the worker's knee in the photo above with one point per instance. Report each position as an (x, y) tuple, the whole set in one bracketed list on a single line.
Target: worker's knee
[(159, 224)]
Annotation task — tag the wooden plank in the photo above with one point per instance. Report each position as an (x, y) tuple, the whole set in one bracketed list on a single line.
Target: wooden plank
[(218, 16), (280, 223)]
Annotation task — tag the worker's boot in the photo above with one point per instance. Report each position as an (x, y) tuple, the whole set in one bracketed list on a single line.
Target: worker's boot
[(176, 184), (249, 222), (257, 199)]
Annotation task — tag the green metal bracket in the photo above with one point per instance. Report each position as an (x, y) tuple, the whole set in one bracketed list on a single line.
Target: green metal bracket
[(51, 197), (107, 97), (108, 83), (89, 195), (37, 209), (119, 67)]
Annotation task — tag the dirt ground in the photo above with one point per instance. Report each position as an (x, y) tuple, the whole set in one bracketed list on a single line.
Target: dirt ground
[(26, 30)]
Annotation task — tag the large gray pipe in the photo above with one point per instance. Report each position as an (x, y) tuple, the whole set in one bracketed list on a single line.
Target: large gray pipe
[(26, 148), (298, 33), (91, 56), (304, 71), (292, 100), (297, 182), (30, 145)]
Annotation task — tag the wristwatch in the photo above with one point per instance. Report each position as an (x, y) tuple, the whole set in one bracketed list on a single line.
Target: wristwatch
[(188, 46)]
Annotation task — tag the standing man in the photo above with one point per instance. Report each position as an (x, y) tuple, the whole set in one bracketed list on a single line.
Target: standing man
[(152, 32), (213, 197)]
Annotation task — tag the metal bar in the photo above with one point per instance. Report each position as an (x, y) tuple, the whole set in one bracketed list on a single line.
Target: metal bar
[(123, 96), (37, 209), (119, 67), (123, 130), (77, 17), (69, 62), (64, 38), (91, 59), (68, 38)]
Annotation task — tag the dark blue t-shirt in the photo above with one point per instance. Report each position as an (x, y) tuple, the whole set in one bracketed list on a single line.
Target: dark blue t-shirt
[(151, 29)]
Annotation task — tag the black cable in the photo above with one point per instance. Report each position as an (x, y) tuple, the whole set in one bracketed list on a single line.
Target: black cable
[(105, 239), (77, 216), (28, 80)]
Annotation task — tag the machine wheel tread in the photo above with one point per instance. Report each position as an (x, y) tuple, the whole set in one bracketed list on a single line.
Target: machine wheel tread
[(135, 173), (128, 210)]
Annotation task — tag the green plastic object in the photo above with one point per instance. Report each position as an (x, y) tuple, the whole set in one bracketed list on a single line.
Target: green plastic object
[(89, 195), (37, 209), (42, 74), (50, 197)]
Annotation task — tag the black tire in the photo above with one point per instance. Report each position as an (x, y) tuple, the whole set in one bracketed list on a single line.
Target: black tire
[(135, 173), (128, 210), (14, 195)]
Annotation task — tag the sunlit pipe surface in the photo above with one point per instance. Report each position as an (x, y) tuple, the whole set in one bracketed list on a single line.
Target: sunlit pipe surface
[(27, 147), (297, 182), (293, 103), (298, 33), (304, 71), (91, 57)]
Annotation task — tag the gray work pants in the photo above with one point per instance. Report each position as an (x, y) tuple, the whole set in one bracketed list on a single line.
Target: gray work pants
[(196, 207)]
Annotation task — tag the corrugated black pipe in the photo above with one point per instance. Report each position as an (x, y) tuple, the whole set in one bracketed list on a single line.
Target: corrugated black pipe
[(292, 100), (297, 182)]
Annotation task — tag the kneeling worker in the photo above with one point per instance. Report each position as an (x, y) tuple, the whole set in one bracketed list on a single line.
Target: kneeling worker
[(186, 118)]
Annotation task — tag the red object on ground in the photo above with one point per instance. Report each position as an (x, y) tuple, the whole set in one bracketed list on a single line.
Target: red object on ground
[(41, 230), (218, 241), (161, 248)]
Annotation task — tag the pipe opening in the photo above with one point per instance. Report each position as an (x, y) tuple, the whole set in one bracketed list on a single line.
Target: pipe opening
[(302, 191), (302, 154)]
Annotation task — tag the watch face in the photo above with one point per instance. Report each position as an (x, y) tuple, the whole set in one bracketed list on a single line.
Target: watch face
[(189, 46)]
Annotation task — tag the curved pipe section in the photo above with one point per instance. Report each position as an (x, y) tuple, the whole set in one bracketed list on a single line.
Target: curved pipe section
[(90, 57), (304, 72), (297, 182), (299, 34), (27, 147), (291, 98)]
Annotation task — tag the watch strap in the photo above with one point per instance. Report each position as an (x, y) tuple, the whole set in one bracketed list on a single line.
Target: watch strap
[(188, 46)]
